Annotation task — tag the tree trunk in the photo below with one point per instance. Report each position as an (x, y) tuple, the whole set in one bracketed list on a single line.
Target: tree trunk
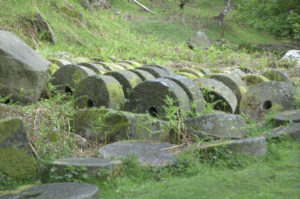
[(222, 15)]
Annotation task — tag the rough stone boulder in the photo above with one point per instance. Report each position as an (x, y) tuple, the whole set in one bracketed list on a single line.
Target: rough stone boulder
[(199, 40), (218, 125), (292, 55), (288, 116), (154, 154), (23, 72), (66, 190), (110, 125), (292, 131), (16, 160), (249, 146)]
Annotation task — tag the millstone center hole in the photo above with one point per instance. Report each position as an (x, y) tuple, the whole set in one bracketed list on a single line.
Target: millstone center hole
[(267, 105), (90, 103), (153, 111), (68, 90)]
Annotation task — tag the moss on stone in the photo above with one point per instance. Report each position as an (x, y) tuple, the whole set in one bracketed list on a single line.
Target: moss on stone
[(116, 94), (253, 79), (188, 75), (192, 71), (17, 164), (17, 190), (53, 68), (8, 127)]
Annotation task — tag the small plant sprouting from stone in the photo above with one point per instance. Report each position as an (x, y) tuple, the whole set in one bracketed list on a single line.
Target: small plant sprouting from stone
[(70, 174)]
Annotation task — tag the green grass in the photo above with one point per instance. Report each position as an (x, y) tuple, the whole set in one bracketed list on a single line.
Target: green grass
[(276, 175)]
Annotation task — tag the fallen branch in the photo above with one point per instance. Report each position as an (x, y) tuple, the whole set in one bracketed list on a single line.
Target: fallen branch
[(144, 7)]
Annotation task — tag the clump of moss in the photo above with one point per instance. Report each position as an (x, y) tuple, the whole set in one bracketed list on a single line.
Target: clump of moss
[(8, 127)]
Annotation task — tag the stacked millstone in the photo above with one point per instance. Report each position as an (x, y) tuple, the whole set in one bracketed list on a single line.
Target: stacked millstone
[(111, 89)]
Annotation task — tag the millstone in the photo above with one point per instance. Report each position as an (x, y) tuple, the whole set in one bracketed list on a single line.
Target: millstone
[(247, 146), (127, 79), (188, 75), (216, 92), (15, 153), (165, 68), (292, 131), (144, 75), (191, 89), (275, 75), (132, 63), (192, 71), (111, 66), (204, 71), (235, 83), (67, 76), (150, 97), (94, 67), (155, 71), (126, 65), (99, 91), (253, 79), (66, 190), (217, 125), (92, 165), (268, 96), (288, 116), (154, 154)]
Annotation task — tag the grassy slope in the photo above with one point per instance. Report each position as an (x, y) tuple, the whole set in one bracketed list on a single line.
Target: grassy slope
[(275, 175), (144, 37)]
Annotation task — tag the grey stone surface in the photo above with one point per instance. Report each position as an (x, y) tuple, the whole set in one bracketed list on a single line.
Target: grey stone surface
[(199, 40), (23, 72), (292, 131), (217, 125), (155, 71), (93, 165), (97, 91), (248, 146), (154, 154), (15, 153), (268, 96), (253, 79), (150, 97), (194, 72), (118, 125), (67, 76), (235, 83), (127, 79), (165, 68), (216, 92), (292, 55), (288, 116), (144, 75), (66, 190), (191, 89)]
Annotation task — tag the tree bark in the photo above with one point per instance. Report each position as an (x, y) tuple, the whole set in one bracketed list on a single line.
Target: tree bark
[(142, 6), (223, 13)]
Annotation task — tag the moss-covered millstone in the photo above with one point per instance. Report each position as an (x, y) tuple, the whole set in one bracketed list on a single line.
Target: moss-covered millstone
[(192, 90), (253, 79), (126, 65), (266, 97), (94, 67), (188, 75), (16, 160), (276, 75), (53, 68), (108, 125), (148, 153), (66, 190), (165, 68), (150, 97), (217, 125), (248, 146), (127, 79), (155, 71), (192, 71), (133, 63), (144, 75), (69, 75), (94, 167), (235, 83), (99, 90), (288, 116), (112, 66), (216, 92), (204, 71), (292, 131)]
